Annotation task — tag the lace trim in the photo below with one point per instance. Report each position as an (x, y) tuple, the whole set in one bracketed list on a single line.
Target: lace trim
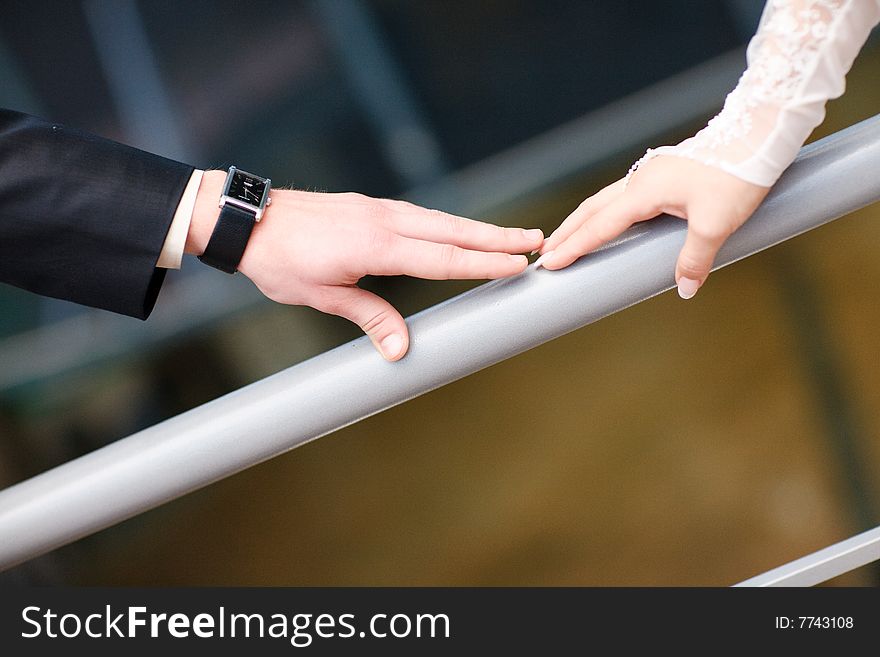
[(782, 54)]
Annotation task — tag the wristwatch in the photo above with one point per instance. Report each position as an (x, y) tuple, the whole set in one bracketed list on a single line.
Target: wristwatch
[(242, 203)]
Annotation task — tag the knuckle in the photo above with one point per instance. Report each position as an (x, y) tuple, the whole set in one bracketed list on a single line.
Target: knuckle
[(585, 207), (494, 265), (396, 205), (512, 235), (377, 213), (377, 241), (603, 232), (406, 206), (710, 232), (375, 321), (451, 225), (352, 197), (691, 267), (449, 255)]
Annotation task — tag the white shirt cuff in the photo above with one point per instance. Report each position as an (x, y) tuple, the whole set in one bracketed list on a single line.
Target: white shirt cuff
[(172, 251)]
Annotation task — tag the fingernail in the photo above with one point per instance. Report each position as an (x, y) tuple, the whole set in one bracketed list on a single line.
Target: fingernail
[(518, 259), (533, 234), (540, 261), (534, 252), (391, 346), (687, 287)]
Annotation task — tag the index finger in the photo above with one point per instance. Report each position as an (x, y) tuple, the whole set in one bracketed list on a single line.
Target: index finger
[(412, 221), (602, 227), (582, 213)]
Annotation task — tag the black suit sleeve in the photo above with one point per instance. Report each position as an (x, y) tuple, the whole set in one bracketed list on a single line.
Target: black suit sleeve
[(83, 218)]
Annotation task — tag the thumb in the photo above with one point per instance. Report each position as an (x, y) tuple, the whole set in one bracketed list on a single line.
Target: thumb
[(378, 318), (695, 260)]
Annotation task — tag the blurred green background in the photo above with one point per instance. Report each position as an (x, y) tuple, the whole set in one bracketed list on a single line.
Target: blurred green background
[(674, 443)]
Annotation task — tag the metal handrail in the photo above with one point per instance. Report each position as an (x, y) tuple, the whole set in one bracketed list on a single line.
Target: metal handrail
[(825, 564), (495, 321)]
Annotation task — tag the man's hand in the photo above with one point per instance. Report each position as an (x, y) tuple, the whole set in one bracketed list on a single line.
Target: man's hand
[(312, 248)]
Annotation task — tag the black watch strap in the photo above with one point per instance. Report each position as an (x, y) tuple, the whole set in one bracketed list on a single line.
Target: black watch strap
[(229, 239)]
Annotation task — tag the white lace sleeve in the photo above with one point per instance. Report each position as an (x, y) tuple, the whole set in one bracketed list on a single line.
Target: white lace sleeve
[(797, 61)]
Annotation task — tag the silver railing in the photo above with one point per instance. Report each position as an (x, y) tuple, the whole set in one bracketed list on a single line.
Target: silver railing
[(488, 324), (825, 564)]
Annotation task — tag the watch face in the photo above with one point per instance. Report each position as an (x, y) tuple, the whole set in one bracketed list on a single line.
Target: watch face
[(247, 188)]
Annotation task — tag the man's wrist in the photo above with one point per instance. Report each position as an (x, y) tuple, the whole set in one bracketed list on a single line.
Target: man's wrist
[(205, 213)]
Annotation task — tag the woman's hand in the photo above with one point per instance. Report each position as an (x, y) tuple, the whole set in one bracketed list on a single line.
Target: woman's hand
[(713, 202)]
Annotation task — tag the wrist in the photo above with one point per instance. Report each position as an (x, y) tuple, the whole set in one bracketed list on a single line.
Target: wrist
[(256, 246), (205, 212)]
